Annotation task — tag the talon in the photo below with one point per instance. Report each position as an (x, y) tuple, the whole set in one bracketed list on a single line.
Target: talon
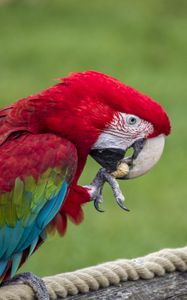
[(95, 190), (121, 204), (116, 190), (96, 204), (97, 187)]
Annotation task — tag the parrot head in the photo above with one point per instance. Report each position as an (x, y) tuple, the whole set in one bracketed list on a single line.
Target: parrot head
[(108, 117)]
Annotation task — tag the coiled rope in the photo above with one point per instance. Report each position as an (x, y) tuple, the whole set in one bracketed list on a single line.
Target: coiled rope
[(104, 275)]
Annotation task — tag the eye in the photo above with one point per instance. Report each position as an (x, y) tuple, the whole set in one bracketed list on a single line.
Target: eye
[(132, 120)]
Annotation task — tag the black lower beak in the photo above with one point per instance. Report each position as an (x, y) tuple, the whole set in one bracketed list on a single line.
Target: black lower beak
[(138, 146), (109, 158)]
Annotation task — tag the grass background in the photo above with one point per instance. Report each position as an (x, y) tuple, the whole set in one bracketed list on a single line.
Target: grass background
[(143, 43)]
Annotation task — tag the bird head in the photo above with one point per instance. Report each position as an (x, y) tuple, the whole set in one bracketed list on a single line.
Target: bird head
[(108, 117)]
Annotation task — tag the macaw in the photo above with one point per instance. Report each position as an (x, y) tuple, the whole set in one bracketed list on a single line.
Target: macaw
[(45, 140)]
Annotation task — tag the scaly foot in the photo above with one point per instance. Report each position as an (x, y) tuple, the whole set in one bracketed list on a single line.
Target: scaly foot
[(96, 187), (35, 282)]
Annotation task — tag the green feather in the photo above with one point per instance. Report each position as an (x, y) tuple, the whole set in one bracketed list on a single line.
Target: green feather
[(29, 196)]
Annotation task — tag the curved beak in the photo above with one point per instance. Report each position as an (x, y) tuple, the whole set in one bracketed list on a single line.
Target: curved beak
[(147, 153), (147, 157)]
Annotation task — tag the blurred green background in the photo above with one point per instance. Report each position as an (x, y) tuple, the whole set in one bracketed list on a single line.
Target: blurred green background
[(143, 43)]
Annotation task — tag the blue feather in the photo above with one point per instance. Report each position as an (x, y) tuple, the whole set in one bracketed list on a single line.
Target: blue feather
[(15, 264), (3, 265), (3, 246), (29, 235), (51, 208), (33, 245), (14, 237), (14, 240), (45, 216)]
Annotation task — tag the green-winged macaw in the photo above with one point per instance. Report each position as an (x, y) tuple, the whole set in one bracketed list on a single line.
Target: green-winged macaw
[(45, 140)]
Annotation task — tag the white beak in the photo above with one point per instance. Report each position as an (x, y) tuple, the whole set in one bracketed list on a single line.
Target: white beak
[(148, 157)]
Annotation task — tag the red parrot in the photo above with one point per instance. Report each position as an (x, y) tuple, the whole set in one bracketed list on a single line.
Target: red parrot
[(45, 140)]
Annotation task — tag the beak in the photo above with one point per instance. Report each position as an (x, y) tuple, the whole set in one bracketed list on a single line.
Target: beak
[(147, 153), (108, 158), (147, 157)]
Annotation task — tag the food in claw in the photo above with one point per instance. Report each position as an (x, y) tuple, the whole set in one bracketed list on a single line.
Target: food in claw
[(45, 140)]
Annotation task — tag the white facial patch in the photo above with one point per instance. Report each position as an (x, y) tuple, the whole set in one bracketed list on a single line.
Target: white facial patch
[(123, 131)]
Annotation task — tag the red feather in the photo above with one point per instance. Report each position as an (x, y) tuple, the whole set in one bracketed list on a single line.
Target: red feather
[(79, 108)]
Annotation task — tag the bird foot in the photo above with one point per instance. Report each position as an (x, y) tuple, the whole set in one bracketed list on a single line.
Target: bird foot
[(35, 282), (96, 188)]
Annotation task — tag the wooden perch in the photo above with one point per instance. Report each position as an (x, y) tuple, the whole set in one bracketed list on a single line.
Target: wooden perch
[(160, 275), (171, 286)]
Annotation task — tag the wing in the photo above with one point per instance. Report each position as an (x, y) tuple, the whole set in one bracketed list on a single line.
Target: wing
[(35, 173), (5, 131)]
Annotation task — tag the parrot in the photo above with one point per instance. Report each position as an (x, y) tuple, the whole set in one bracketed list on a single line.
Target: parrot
[(45, 140)]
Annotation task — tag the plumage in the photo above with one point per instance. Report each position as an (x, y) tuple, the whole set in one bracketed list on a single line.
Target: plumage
[(16, 260), (35, 192), (33, 245), (44, 143)]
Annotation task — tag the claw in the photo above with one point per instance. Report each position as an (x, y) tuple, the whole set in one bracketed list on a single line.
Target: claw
[(120, 202), (97, 204), (116, 189), (98, 200), (98, 183)]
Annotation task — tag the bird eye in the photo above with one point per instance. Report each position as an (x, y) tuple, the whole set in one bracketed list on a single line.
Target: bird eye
[(131, 120)]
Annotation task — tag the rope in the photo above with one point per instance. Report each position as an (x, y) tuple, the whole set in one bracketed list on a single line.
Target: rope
[(104, 275)]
